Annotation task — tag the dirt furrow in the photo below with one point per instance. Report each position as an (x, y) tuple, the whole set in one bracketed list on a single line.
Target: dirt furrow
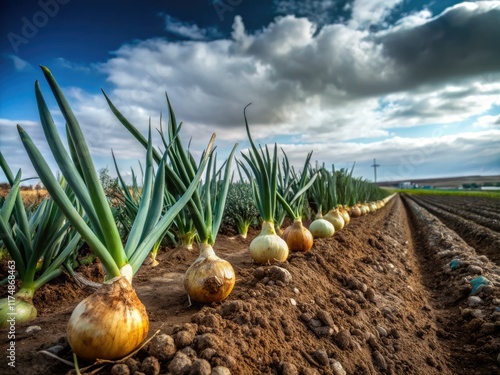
[(469, 318), (484, 240), (457, 207)]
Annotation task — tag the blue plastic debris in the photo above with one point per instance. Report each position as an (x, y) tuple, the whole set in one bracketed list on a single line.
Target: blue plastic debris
[(455, 263), (477, 282)]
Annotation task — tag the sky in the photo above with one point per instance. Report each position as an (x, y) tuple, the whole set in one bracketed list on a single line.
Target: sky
[(412, 84)]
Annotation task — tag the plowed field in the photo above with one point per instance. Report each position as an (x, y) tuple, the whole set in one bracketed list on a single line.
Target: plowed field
[(390, 293)]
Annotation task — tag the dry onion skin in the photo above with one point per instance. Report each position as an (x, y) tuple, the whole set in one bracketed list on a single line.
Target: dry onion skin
[(210, 278), (108, 324), (334, 217), (355, 211), (268, 247), (298, 237), (345, 215)]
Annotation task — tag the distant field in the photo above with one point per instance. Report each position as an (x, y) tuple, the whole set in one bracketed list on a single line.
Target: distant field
[(446, 182), (469, 193), (29, 196)]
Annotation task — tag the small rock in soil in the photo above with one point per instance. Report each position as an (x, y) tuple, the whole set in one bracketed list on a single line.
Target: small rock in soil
[(326, 318), (208, 354), (343, 339), (220, 370), (288, 368), (381, 331), (474, 270), (208, 340), (370, 295), (379, 360), (280, 274), (474, 301), (337, 367), (150, 366), (189, 351), (321, 357), (180, 365), (162, 347), (200, 367), (133, 365), (33, 329), (183, 338), (120, 369)]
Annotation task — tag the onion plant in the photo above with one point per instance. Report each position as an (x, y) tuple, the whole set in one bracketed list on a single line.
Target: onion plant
[(240, 210), (297, 237), (209, 278), (112, 322), (40, 246), (262, 171)]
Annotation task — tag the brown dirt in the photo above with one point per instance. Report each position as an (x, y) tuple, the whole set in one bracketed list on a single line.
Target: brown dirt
[(378, 297)]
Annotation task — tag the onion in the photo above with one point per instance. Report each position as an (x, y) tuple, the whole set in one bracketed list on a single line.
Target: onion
[(355, 211), (345, 215), (268, 247), (321, 228), (298, 237), (24, 311), (210, 278), (108, 324), (334, 217), (364, 209)]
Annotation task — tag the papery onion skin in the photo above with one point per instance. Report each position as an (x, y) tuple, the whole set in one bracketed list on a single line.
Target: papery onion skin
[(355, 211), (334, 217), (268, 247), (210, 278), (298, 237), (345, 215), (108, 324), (24, 311), (321, 228)]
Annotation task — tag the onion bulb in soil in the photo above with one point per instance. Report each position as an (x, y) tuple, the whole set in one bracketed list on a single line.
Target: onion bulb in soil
[(210, 278), (355, 211), (345, 215), (334, 217), (298, 237), (321, 228), (108, 324), (268, 247), (23, 309)]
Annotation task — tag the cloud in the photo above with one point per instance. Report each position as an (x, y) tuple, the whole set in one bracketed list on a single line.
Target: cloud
[(20, 65), (339, 88), (366, 13), (460, 42), (188, 30)]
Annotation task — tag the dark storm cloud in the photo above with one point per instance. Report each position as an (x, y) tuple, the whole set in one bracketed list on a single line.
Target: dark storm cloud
[(463, 41)]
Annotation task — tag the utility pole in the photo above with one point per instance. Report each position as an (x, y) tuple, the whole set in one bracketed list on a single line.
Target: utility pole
[(375, 165)]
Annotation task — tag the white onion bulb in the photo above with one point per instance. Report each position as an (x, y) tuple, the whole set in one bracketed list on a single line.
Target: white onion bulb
[(268, 247), (108, 324)]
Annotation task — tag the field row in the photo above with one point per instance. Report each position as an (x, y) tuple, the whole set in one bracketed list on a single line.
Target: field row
[(480, 233)]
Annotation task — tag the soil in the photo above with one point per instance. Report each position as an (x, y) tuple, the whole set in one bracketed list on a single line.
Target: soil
[(381, 296)]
